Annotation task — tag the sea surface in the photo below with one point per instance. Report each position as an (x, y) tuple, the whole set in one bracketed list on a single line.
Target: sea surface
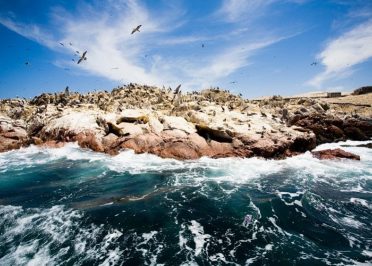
[(71, 206)]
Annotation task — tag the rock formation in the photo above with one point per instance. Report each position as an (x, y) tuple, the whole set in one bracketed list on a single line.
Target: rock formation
[(212, 123), (335, 154)]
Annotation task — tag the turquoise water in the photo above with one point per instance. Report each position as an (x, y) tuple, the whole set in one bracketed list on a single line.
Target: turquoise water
[(70, 206)]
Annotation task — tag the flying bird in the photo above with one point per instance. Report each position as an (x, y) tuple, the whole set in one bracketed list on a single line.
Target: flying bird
[(27, 63), (83, 57), (313, 64), (136, 29), (61, 44), (232, 82), (70, 43), (203, 45)]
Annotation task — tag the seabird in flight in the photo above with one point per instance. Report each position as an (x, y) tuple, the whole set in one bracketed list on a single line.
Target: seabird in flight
[(136, 29), (83, 57)]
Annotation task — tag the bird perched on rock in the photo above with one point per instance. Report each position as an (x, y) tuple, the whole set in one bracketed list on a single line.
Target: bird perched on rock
[(67, 91), (136, 29), (83, 57), (177, 90)]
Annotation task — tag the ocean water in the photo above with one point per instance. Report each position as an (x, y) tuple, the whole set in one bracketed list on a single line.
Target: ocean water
[(71, 206)]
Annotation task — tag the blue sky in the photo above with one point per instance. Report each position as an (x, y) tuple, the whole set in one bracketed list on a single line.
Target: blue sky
[(253, 47)]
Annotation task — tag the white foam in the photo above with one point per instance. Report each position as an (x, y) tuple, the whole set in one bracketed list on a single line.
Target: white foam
[(53, 227), (362, 202), (351, 222), (269, 247), (234, 170), (199, 237)]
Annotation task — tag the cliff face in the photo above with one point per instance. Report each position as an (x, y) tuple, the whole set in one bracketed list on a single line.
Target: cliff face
[(211, 123)]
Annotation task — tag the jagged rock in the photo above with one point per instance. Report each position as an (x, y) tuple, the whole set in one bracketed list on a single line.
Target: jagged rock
[(331, 154), (175, 122), (173, 134), (363, 90), (198, 117), (131, 129), (89, 140), (178, 150), (355, 133), (108, 140), (155, 125)]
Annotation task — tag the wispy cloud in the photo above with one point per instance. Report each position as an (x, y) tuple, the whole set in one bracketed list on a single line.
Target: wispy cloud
[(29, 31), (343, 53), (238, 10), (248, 10)]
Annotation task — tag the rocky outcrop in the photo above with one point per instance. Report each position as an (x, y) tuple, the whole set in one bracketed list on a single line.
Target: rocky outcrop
[(363, 90), (335, 154), (210, 123), (13, 134), (330, 128)]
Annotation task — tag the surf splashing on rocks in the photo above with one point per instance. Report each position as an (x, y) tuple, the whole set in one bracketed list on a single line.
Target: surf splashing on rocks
[(70, 205)]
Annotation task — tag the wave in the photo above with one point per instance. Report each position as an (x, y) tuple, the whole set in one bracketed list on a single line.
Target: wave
[(236, 170), (57, 235)]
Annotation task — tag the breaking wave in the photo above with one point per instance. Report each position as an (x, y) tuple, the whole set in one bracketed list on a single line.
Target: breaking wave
[(73, 206)]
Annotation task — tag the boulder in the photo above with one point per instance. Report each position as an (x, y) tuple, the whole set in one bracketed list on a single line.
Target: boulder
[(176, 122), (108, 140), (89, 140), (331, 154), (355, 133), (155, 125), (130, 129), (178, 150), (173, 134)]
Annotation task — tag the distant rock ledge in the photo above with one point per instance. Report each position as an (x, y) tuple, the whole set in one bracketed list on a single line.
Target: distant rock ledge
[(211, 123)]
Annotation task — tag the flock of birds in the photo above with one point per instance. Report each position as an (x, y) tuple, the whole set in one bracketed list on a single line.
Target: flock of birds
[(177, 91)]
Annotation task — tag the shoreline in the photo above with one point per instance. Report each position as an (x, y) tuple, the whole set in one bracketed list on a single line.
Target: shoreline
[(212, 123)]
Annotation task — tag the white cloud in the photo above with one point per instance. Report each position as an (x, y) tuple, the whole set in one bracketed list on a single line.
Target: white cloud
[(32, 32), (238, 10), (341, 54)]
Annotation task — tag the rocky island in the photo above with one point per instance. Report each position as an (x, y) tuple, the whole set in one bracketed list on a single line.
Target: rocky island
[(212, 122)]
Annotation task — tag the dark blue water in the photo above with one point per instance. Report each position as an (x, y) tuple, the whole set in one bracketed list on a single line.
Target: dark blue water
[(70, 206)]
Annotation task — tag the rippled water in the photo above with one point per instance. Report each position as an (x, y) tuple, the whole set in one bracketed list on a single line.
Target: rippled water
[(70, 206)]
